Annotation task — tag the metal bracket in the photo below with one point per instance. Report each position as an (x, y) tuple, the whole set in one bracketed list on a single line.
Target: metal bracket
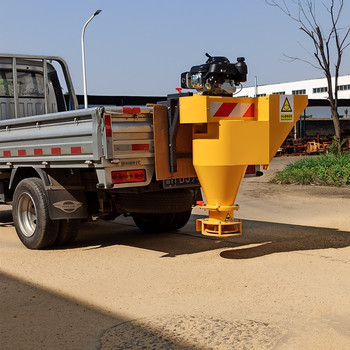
[(173, 125)]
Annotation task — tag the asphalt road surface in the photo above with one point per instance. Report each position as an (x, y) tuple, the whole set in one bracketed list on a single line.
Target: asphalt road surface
[(284, 284)]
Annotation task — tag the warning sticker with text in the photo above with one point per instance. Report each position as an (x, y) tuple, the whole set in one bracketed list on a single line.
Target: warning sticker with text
[(286, 108)]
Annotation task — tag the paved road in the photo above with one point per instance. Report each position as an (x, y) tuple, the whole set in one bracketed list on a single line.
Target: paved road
[(284, 284)]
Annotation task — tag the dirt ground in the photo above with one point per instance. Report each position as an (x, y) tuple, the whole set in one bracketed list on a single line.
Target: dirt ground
[(283, 284)]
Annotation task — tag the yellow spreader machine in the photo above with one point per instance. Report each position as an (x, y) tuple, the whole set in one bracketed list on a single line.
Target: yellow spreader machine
[(224, 135), (228, 135)]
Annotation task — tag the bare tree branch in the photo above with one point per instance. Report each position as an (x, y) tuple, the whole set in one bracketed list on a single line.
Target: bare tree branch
[(293, 59), (324, 42), (344, 39)]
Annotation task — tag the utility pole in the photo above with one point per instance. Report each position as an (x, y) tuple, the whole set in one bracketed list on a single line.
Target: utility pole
[(83, 56)]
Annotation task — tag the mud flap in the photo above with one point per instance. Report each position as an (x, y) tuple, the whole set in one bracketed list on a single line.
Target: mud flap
[(65, 194)]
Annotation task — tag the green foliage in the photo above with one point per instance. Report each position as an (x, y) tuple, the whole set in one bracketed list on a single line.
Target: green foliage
[(334, 145), (323, 170)]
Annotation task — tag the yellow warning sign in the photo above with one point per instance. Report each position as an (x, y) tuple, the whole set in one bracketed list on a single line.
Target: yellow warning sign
[(228, 217), (286, 106)]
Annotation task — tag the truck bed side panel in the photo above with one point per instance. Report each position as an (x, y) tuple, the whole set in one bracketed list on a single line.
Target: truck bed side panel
[(58, 137)]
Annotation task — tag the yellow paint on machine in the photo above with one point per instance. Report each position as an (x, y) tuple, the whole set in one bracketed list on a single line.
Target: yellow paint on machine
[(223, 146)]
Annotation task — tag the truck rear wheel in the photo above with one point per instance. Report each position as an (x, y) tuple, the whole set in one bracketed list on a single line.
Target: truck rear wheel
[(161, 202), (165, 222), (31, 215), (67, 232), (181, 219), (153, 222)]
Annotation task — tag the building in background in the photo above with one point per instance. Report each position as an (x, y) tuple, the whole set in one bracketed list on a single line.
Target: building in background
[(316, 89)]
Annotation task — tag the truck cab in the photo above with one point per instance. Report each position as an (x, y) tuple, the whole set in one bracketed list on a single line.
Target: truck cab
[(29, 86)]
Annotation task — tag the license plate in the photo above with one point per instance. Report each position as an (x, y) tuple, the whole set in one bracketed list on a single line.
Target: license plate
[(182, 182)]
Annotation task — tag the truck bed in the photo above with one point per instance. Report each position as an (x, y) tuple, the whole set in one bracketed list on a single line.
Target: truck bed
[(111, 138)]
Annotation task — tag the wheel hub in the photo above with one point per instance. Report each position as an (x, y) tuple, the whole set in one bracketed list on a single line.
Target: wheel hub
[(27, 214)]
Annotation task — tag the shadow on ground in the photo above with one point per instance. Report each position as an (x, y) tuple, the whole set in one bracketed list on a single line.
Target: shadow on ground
[(264, 238), (33, 318), (259, 238)]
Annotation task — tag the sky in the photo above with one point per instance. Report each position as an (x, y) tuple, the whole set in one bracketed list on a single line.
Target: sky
[(137, 47)]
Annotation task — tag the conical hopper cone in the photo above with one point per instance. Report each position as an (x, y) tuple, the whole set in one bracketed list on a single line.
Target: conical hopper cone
[(220, 184)]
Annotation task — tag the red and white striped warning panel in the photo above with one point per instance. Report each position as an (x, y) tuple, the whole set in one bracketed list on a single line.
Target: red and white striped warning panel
[(230, 109), (47, 151)]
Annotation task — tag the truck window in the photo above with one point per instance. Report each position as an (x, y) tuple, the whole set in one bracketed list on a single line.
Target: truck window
[(6, 83), (30, 84)]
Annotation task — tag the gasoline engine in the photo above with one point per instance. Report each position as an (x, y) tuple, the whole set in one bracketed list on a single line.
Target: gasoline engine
[(217, 77)]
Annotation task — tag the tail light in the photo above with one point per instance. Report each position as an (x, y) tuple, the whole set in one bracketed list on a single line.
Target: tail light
[(127, 176), (250, 169)]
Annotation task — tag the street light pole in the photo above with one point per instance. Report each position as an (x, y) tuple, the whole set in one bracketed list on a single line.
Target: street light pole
[(83, 56), (256, 87)]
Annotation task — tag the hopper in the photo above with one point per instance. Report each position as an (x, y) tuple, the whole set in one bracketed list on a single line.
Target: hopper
[(228, 135)]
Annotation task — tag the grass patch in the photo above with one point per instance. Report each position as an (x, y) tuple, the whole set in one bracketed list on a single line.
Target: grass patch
[(323, 170)]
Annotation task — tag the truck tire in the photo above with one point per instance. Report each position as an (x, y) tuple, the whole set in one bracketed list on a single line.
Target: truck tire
[(31, 215), (67, 232), (162, 202), (181, 219), (161, 222), (153, 222)]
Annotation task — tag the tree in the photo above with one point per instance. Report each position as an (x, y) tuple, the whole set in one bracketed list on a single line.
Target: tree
[(329, 45)]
